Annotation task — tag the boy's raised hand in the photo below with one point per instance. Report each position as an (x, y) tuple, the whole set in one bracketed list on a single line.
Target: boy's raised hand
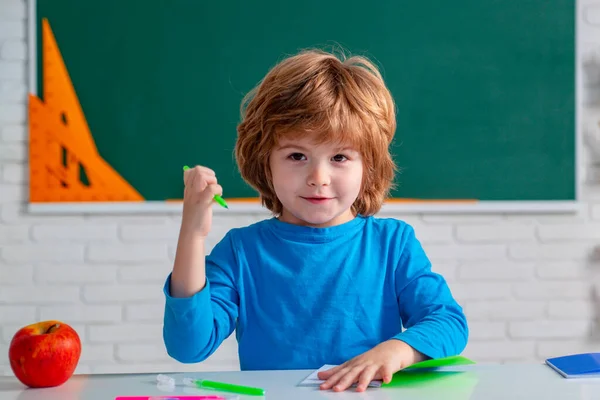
[(200, 188), (381, 362)]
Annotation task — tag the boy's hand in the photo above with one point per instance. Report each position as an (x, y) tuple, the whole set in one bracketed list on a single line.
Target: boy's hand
[(381, 362), (200, 188)]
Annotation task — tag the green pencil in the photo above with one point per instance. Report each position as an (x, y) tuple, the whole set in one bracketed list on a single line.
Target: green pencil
[(217, 198), (226, 387)]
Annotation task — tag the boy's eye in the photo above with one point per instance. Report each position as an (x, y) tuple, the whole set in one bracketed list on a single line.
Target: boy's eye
[(297, 156), (339, 158)]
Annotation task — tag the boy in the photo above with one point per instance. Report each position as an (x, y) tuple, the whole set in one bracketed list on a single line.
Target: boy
[(323, 281)]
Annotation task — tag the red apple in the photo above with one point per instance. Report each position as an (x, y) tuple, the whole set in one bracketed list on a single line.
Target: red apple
[(44, 354)]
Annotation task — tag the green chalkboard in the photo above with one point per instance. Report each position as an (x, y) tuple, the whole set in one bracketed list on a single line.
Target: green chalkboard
[(485, 90)]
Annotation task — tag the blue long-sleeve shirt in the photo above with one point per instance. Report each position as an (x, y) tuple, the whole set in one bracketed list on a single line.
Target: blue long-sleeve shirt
[(300, 297)]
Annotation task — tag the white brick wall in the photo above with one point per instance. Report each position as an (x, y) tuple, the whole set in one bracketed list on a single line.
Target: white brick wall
[(527, 282)]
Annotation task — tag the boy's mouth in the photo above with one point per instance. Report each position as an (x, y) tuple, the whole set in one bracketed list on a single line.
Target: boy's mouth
[(316, 199)]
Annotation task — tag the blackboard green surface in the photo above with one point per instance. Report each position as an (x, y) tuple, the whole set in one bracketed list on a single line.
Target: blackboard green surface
[(485, 90)]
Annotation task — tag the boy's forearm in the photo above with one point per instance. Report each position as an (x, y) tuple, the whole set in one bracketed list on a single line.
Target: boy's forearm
[(189, 271), (438, 335)]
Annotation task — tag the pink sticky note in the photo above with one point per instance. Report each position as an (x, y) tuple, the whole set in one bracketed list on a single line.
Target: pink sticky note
[(170, 397)]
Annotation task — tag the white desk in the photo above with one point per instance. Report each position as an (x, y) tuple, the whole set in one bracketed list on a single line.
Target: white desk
[(479, 382)]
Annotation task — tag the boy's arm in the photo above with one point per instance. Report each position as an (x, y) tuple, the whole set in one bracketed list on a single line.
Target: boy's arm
[(195, 326), (435, 323)]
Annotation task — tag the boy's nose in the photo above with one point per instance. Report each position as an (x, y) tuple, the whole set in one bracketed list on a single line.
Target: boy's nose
[(318, 176)]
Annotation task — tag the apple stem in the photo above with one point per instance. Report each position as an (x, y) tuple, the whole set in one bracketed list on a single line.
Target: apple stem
[(52, 328)]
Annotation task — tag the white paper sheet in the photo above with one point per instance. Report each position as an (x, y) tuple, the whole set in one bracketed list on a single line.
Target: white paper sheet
[(313, 380)]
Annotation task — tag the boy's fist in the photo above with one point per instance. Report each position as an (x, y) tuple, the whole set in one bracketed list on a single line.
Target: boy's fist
[(200, 188)]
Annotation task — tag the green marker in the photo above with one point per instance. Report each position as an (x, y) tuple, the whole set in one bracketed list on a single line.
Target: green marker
[(217, 198), (226, 387)]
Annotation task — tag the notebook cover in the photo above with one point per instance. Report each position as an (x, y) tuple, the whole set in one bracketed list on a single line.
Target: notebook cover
[(576, 364)]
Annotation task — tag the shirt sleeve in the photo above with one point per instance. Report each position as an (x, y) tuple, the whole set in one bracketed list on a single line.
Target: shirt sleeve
[(194, 327), (434, 322)]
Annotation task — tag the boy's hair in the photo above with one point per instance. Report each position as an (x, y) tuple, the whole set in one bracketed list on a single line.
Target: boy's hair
[(332, 99)]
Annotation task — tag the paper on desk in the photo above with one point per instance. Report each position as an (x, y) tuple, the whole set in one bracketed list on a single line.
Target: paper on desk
[(432, 372), (313, 379)]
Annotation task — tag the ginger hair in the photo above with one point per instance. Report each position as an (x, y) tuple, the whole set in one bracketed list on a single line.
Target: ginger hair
[(332, 98)]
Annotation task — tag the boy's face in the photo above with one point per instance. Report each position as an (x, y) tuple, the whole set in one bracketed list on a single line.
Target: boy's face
[(317, 184)]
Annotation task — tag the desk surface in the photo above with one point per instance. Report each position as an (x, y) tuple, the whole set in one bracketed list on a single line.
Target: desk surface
[(479, 382)]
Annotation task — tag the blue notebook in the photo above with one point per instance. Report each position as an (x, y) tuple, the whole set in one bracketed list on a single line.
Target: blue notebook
[(585, 365)]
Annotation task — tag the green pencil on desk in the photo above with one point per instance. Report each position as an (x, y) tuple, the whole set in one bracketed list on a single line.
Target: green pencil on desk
[(217, 198), (226, 387)]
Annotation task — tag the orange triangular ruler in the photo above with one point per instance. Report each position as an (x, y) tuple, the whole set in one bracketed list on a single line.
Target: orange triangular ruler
[(65, 165)]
